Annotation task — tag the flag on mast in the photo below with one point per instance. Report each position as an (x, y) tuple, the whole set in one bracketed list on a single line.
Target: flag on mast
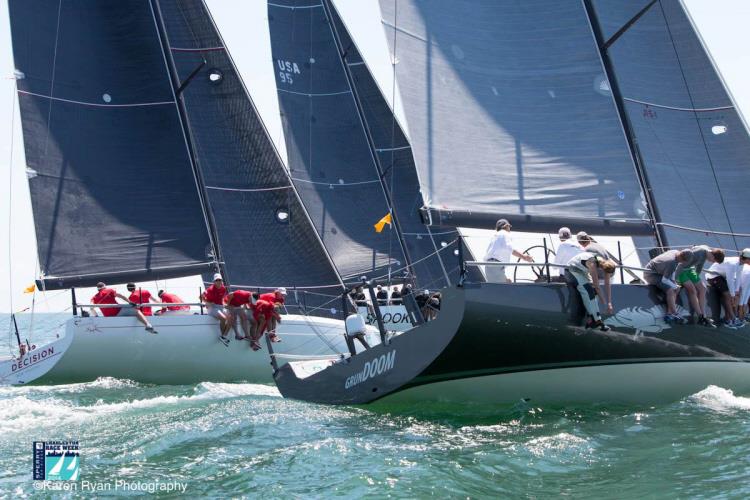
[(30, 288), (382, 222)]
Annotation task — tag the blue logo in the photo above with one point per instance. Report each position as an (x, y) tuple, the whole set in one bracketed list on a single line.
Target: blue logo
[(56, 461), (621, 195)]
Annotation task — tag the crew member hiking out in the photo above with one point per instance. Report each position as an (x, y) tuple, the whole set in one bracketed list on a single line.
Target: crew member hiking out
[(264, 312), (500, 249), (106, 295), (140, 296), (277, 297), (213, 297), (579, 272), (239, 303), (590, 245), (725, 279)]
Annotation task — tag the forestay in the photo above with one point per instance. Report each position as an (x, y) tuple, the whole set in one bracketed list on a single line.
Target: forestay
[(330, 160), (112, 186), (264, 233), (510, 114), (694, 145)]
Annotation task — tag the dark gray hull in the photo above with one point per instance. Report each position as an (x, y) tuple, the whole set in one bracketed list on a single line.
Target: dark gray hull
[(489, 332)]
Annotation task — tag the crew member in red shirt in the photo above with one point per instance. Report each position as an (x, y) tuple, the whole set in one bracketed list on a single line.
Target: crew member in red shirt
[(106, 295), (213, 297), (264, 312), (171, 298), (140, 296), (277, 297), (239, 303)]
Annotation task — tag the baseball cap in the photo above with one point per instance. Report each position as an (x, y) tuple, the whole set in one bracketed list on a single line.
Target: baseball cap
[(745, 253), (217, 276), (502, 223), (281, 290), (564, 233)]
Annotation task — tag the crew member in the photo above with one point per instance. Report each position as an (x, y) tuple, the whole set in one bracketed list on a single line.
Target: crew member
[(580, 272), (688, 274), (239, 303), (725, 278), (382, 296), (263, 313), (590, 245), (565, 251), (500, 249), (171, 298), (213, 297), (660, 274), (278, 296), (140, 296), (106, 295), (396, 297)]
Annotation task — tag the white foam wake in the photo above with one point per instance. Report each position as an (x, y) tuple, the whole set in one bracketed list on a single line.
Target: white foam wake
[(718, 398), (22, 411)]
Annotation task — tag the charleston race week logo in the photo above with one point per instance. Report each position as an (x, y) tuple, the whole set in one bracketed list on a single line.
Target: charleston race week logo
[(56, 461)]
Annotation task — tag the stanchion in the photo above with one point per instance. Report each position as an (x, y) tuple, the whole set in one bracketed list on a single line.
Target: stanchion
[(619, 257), (546, 259)]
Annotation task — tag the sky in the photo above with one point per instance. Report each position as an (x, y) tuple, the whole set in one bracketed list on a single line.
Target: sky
[(724, 26)]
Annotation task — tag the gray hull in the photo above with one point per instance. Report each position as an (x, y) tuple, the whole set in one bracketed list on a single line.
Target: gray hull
[(501, 343)]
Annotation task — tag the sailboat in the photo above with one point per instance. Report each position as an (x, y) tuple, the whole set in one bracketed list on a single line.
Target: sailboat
[(607, 117), (147, 160)]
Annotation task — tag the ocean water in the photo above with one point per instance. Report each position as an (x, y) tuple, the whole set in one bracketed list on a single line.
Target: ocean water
[(244, 440)]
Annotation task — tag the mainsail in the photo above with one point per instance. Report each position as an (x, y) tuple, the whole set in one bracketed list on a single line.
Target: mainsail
[(330, 158), (692, 141), (112, 185), (265, 236), (510, 114)]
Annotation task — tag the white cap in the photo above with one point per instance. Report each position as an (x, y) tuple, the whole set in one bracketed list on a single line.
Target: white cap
[(564, 233), (217, 276), (745, 253), (281, 290)]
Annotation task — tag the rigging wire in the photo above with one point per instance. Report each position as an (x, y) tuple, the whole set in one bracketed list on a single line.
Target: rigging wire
[(10, 213)]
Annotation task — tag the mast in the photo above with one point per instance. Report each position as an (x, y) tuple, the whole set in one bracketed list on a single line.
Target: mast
[(200, 184), (368, 135), (602, 47)]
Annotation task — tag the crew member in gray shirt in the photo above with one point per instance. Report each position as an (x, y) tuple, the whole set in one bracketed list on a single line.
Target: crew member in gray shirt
[(661, 275), (590, 245)]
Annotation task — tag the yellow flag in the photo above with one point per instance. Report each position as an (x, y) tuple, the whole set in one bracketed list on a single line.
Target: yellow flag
[(382, 222), (30, 288)]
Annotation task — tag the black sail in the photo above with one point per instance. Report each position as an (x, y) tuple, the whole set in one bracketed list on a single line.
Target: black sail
[(112, 186), (265, 235), (431, 250), (509, 113), (692, 140), (330, 159)]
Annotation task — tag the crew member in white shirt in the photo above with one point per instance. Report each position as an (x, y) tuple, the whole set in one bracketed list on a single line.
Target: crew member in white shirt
[(565, 251), (501, 249), (726, 279)]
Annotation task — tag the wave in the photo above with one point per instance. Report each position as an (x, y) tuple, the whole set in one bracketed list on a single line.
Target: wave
[(100, 383), (24, 409), (720, 399)]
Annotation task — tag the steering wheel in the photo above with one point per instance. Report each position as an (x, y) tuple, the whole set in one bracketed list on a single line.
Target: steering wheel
[(537, 252)]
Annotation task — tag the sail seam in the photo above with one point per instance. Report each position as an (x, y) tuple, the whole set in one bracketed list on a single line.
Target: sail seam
[(706, 231), (676, 108), (405, 32), (248, 190), (96, 104), (315, 95)]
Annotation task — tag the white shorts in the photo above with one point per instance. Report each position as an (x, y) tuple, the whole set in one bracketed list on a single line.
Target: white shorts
[(495, 274), (745, 285), (127, 311), (214, 310), (178, 312)]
